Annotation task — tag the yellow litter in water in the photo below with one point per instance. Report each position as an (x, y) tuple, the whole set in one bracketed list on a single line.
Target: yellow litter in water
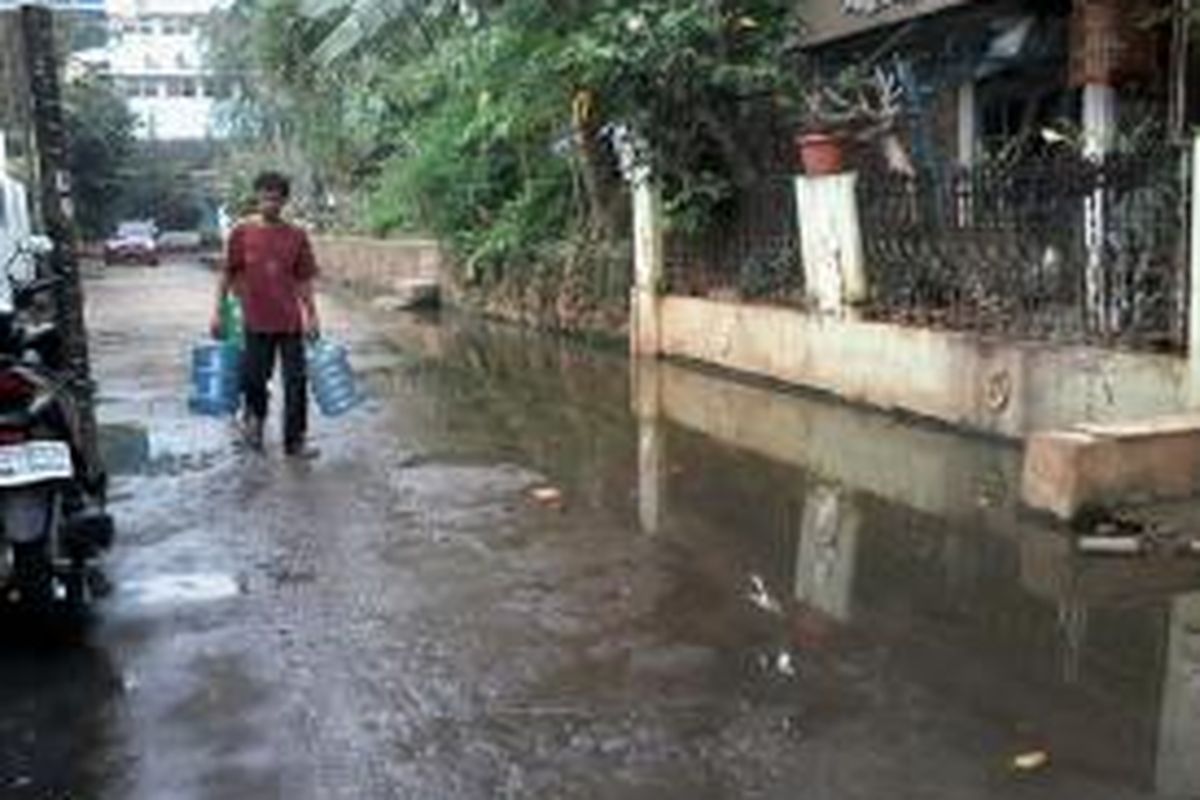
[(1033, 760)]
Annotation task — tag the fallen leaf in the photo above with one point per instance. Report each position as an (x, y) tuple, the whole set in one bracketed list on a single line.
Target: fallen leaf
[(1033, 760)]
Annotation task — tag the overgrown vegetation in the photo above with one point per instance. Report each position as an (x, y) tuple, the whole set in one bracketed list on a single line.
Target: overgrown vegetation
[(100, 132), (502, 127), (115, 177)]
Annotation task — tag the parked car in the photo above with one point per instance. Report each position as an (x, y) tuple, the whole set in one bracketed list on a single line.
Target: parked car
[(134, 242)]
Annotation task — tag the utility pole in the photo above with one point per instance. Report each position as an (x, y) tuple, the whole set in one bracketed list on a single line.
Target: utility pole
[(52, 190)]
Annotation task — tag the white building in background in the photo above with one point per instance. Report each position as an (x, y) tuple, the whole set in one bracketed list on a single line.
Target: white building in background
[(82, 6), (155, 58)]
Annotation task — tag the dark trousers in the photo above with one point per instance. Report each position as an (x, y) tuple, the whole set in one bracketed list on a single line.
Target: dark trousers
[(257, 367)]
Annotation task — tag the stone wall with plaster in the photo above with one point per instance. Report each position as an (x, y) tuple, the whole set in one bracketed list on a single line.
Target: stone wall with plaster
[(1008, 389), (377, 266)]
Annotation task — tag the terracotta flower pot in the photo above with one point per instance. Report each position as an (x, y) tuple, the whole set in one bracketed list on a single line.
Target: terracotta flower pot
[(821, 154)]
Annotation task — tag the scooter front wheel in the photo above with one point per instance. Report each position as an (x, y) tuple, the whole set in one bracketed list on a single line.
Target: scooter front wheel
[(33, 575)]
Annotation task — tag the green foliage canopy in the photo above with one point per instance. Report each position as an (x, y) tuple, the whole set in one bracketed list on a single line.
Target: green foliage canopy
[(100, 132), (494, 125)]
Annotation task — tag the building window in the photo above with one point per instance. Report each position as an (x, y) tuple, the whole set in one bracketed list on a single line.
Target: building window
[(189, 87)]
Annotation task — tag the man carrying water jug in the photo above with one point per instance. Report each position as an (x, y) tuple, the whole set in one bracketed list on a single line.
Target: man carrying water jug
[(269, 266)]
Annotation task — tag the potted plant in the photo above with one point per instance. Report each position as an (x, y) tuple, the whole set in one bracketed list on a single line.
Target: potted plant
[(854, 104)]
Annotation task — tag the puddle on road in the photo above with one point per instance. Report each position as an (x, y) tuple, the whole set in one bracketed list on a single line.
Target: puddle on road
[(820, 551), (130, 449), (183, 589)]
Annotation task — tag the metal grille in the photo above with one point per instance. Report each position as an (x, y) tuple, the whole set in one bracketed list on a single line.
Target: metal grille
[(1059, 248), (752, 253)]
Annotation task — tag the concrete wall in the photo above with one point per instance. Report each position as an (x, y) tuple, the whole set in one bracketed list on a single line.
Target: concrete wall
[(1002, 388), (377, 266)]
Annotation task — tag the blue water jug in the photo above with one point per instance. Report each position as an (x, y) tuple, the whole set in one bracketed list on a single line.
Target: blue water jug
[(331, 378), (216, 378)]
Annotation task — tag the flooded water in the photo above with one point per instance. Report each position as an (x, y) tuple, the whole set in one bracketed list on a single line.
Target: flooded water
[(530, 569), (866, 587)]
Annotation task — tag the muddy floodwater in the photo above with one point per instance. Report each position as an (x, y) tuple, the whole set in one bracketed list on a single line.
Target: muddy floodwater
[(530, 568)]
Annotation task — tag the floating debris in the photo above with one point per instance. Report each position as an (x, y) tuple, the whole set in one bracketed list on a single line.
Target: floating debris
[(759, 595), (1031, 761), (1113, 545), (547, 495)]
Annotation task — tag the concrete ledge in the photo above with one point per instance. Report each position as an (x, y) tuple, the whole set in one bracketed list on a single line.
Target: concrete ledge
[(1005, 388), (379, 266), (1097, 466)]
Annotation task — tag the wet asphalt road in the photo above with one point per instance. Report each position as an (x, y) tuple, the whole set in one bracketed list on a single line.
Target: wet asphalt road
[(402, 619)]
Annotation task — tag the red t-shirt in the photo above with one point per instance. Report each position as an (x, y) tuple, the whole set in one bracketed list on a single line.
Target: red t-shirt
[(268, 264)]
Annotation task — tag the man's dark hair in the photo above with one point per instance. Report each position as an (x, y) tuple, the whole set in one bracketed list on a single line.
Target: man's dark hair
[(274, 182)]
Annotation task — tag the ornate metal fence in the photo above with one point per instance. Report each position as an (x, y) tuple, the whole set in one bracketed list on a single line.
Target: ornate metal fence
[(752, 253), (1060, 248)]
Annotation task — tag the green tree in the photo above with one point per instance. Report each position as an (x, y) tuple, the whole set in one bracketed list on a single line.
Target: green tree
[(100, 132), (495, 123), (164, 191)]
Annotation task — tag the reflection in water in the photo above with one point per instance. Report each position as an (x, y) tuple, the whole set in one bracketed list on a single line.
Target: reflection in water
[(825, 556), (992, 613), (57, 714), (857, 573), (650, 446), (1179, 733)]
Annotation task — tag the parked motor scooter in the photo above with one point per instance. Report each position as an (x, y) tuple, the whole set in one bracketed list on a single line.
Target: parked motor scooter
[(53, 522)]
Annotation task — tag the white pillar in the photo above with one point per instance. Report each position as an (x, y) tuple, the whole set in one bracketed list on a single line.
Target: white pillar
[(648, 265), (968, 147), (1099, 119), (1099, 127), (831, 242), (968, 125)]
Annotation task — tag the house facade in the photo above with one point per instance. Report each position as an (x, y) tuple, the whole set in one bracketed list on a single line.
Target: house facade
[(1005, 78), (155, 58), (1007, 252)]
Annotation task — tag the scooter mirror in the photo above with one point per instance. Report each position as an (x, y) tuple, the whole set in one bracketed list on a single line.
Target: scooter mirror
[(38, 245)]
